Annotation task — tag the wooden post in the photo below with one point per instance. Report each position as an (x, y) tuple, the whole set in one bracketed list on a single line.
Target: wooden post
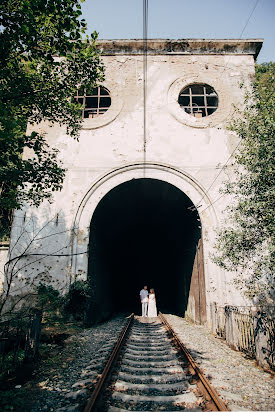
[(214, 322), (33, 336), (228, 325)]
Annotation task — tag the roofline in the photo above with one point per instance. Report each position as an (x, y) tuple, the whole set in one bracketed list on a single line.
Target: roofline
[(181, 46)]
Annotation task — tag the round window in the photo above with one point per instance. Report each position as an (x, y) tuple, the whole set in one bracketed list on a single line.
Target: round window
[(94, 102), (198, 100)]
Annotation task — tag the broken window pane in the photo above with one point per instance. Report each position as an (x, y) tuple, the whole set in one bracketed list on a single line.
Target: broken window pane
[(94, 104)]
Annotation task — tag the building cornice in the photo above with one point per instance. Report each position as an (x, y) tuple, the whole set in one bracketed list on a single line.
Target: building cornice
[(181, 46)]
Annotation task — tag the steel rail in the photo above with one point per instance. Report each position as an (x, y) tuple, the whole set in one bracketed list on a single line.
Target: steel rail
[(213, 395), (102, 378)]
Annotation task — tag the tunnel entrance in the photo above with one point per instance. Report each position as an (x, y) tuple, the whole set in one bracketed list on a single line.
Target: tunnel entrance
[(146, 232)]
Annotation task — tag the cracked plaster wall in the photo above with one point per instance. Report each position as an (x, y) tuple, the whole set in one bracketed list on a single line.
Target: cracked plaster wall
[(197, 148)]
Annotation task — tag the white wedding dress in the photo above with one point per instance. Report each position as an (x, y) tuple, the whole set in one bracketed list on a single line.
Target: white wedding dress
[(152, 308)]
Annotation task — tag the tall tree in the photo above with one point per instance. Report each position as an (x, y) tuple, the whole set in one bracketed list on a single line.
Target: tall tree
[(247, 242), (45, 57)]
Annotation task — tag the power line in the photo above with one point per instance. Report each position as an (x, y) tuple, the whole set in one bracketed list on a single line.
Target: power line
[(216, 177), (145, 38), (240, 36), (212, 203), (216, 200), (255, 5), (207, 191)]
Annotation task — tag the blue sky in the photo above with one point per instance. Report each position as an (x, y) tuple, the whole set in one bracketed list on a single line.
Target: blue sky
[(177, 19)]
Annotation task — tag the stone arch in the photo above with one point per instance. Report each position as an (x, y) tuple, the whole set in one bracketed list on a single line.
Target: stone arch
[(176, 177)]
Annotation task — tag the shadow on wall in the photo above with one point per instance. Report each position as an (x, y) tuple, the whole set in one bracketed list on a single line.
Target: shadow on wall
[(40, 252), (143, 232)]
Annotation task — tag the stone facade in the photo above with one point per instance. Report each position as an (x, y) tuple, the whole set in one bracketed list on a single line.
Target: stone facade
[(183, 150)]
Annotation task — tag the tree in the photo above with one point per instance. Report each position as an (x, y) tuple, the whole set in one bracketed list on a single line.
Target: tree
[(247, 241), (44, 60), (30, 260)]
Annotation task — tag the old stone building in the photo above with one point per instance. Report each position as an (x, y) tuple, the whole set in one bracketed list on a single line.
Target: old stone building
[(141, 206)]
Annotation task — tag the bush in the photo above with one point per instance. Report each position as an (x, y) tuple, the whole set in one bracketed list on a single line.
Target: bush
[(49, 301), (74, 303), (76, 300)]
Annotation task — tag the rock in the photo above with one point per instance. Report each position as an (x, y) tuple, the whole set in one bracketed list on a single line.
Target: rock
[(231, 396), (76, 394), (88, 372), (219, 384), (83, 383), (73, 408), (64, 382), (240, 382)]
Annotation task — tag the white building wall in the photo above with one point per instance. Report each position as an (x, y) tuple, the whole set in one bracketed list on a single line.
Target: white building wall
[(185, 151), (4, 251)]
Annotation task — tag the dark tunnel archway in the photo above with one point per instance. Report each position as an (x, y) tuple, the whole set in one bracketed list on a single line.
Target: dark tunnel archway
[(144, 231)]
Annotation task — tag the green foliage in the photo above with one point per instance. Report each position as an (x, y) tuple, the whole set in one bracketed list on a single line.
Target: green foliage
[(13, 400), (10, 363), (49, 299), (247, 243), (57, 307), (44, 60), (77, 298), (31, 180), (50, 354)]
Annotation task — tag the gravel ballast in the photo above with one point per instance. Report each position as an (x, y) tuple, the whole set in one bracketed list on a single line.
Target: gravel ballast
[(66, 387), (241, 383), (66, 380)]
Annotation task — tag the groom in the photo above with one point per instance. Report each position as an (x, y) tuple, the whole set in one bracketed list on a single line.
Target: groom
[(144, 300)]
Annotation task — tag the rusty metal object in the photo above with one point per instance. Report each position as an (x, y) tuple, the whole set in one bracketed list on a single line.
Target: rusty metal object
[(102, 378), (214, 401)]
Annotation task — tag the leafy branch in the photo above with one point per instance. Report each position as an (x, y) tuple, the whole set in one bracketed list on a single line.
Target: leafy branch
[(246, 241)]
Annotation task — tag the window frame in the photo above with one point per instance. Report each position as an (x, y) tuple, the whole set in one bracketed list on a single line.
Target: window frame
[(98, 110), (191, 107)]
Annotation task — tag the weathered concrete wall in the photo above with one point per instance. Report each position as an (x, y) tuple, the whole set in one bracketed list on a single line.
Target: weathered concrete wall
[(185, 151), (4, 250)]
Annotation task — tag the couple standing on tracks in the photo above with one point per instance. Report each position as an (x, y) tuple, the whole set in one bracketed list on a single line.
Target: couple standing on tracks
[(148, 303)]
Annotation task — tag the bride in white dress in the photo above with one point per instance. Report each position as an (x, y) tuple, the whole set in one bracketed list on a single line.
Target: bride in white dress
[(152, 308)]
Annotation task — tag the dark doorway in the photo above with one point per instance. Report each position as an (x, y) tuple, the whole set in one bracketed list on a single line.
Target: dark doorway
[(144, 232)]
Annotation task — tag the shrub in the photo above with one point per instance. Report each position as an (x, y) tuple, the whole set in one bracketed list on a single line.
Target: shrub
[(76, 300)]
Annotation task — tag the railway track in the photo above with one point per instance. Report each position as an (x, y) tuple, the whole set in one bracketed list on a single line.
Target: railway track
[(149, 369)]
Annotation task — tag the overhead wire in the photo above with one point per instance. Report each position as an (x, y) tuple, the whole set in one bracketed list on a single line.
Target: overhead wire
[(207, 190), (145, 48), (216, 200), (145, 67), (248, 20), (242, 31), (216, 177)]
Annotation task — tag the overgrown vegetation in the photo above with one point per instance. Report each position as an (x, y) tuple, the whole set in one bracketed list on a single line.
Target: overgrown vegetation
[(76, 300), (44, 58), (63, 317), (246, 241), (69, 307)]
